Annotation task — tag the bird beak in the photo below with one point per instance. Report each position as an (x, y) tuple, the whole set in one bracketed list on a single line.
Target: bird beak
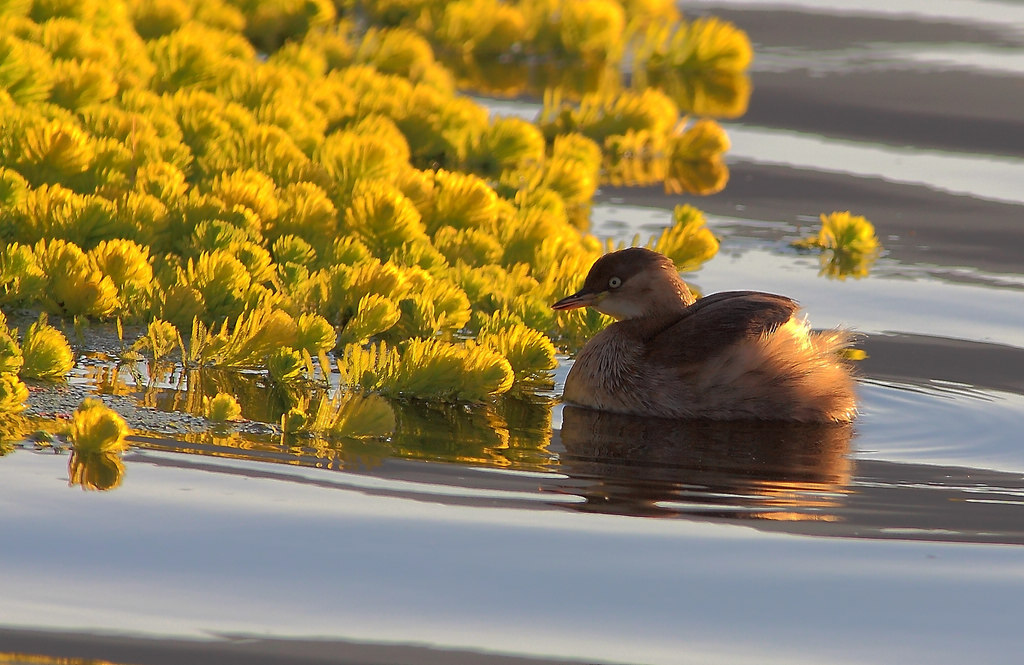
[(581, 298)]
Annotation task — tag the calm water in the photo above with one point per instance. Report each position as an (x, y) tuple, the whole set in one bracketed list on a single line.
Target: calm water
[(563, 534)]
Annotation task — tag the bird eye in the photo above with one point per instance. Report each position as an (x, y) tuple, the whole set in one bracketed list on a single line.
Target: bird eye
[(614, 283)]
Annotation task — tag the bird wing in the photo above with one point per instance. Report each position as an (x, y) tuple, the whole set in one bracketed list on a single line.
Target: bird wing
[(718, 321)]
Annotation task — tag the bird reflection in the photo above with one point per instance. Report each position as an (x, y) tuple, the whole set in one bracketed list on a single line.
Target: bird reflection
[(751, 469)]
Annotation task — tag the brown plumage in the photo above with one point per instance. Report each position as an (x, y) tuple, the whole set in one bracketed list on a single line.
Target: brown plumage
[(731, 355)]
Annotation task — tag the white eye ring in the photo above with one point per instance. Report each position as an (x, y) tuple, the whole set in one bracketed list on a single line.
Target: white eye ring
[(614, 283)]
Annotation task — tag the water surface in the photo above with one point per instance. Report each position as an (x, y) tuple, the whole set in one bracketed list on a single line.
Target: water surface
[(531, 532)]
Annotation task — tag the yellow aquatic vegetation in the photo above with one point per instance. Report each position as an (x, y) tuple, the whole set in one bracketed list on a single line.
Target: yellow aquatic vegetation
[(256, 259), (428, 369), (54, 211), (701, 64), (470, 246), (603, 114), (134, 140), (26, 74), (163, 181), (382, 217), (402, 52), (155, 18), (338, 290), (13, 191), (360, 417), (46, 352), (161, 338), (128, 266), (707, 44), (421, 255), (79, 84), (195, 56), (530, 353), (305, 211), (841, 231), (96, 428), (480, 27), (13, 394), (292, 258), (251, 189), (247, 343), (461, 200), (270, 23), (72, 285), (385, 128), (449, 302), (506, 144), (695, 159), (349, 158), (221, 408), (513, 293), (287, 366), (374, 315), (314, 334), (11, 359), (590, 30), (367, 367), (369, 91), (433, 368), (848, 245), (636, 158), (21, 277), (54, 151), (688, 242), (221, 282)]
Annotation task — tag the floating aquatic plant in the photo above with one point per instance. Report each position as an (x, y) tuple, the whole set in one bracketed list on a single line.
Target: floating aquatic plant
[(382, 216), (428, 369), (221, 408), (161, 338), (11, 359), (848, 245), (96, 428), (13, 394), (688, 242), (245, 342), (128, 266), (285, 365), (695, 159), (530, 353), (314, 334), (21, 278), (73, 285), (374, 315), (46, 352)]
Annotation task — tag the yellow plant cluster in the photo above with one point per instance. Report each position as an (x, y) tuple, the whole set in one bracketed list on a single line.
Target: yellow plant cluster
[(582, 45), (268, 180), (43, 354), (98, 435), (643, 139), (847, 243)]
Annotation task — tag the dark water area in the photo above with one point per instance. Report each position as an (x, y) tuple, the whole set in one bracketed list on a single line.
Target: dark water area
[(540, 533)]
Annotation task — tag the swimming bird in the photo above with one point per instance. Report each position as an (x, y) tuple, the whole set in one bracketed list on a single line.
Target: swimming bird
[(733, 355)]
